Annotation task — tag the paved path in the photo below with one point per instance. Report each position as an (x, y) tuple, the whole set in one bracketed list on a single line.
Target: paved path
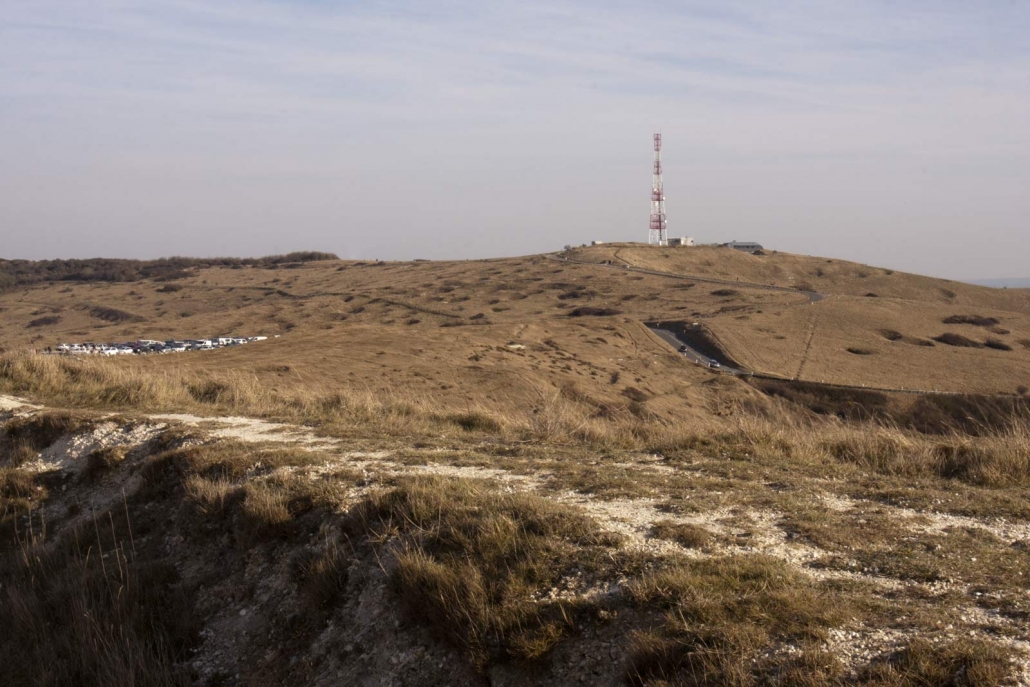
[(691, 354)]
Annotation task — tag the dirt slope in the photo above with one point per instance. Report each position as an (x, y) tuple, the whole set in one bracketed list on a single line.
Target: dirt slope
[(256, 612)]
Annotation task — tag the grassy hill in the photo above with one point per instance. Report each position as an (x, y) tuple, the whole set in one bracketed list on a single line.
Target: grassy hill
[(442, 329), (492, 472)]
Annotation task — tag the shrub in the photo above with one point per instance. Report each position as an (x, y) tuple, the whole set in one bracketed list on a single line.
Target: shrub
[(969, 662), (725, 292), (996, 344), (112, 315), (952, 339), (975, 320), (475, 422), (211, 497), (264, 514), (47, 321), (891, 334), (851, 404), (594, 312), (70, 618), (321, 577), (471, 561), (635, 394), (16, 484), (860, 351), (685, 534), (724, 613)]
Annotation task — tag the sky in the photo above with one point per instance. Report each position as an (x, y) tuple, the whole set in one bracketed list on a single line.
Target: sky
[(890, 133)]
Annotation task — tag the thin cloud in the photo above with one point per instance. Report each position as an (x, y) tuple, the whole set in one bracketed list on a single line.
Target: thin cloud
[(518, 121)]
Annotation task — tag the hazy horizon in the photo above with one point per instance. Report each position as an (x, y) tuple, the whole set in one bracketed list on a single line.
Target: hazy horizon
[(888, 134)]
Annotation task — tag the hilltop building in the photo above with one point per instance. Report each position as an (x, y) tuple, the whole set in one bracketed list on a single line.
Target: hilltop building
[(745, 246)]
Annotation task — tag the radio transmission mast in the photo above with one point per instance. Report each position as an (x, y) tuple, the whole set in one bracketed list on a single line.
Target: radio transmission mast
[(657, 234)]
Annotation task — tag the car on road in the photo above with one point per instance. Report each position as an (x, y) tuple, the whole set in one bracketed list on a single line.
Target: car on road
[(683, 349)]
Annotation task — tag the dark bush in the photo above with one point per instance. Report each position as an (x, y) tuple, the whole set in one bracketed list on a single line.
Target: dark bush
[(849, 404), (997, 344), (576, 294), (968, 414), (860, 351), (891, 334), (47, 321), (975, 320), (635, 394), (725, 292), (952, 339), (594, 312), (112, 314), (14, 273)]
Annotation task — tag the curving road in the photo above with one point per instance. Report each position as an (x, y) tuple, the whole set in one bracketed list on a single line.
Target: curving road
[(684, 349)]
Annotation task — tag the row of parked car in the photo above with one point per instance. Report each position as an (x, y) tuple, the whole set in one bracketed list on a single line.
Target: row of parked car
[(146, 346)]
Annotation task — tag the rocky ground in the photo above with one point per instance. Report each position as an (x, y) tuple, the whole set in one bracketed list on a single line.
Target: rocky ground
[(951, 574)]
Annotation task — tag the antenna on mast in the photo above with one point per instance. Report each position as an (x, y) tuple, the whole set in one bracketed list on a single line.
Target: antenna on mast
[(657, 233)]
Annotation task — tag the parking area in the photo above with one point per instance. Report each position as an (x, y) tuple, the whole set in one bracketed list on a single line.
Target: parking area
[(151, 346)]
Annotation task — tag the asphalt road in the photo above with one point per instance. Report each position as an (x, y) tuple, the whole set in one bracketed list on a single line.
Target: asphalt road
[(693, 355)]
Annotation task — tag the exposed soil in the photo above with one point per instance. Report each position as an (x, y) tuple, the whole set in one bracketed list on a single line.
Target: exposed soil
[(254, 630)]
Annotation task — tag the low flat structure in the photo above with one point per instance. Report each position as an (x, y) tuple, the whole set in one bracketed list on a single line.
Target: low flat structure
[(744, 246)]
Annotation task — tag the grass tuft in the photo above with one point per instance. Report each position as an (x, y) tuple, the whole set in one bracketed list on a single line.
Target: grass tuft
[(102, 461), (685, 534), (964, 662), (472, 562)]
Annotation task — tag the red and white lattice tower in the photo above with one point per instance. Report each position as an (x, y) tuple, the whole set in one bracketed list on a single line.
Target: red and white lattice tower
[(657, 234)]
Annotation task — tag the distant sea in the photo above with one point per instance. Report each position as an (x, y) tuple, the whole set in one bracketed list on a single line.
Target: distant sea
[(1012, 283)]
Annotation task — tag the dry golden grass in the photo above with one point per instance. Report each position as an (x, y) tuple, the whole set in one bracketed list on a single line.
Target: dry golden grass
[(515, 577), (824, 275), (482, 364), (722, 614), (812, 342), (998, 456), (473, 560), (86, 612), (414, 326)]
